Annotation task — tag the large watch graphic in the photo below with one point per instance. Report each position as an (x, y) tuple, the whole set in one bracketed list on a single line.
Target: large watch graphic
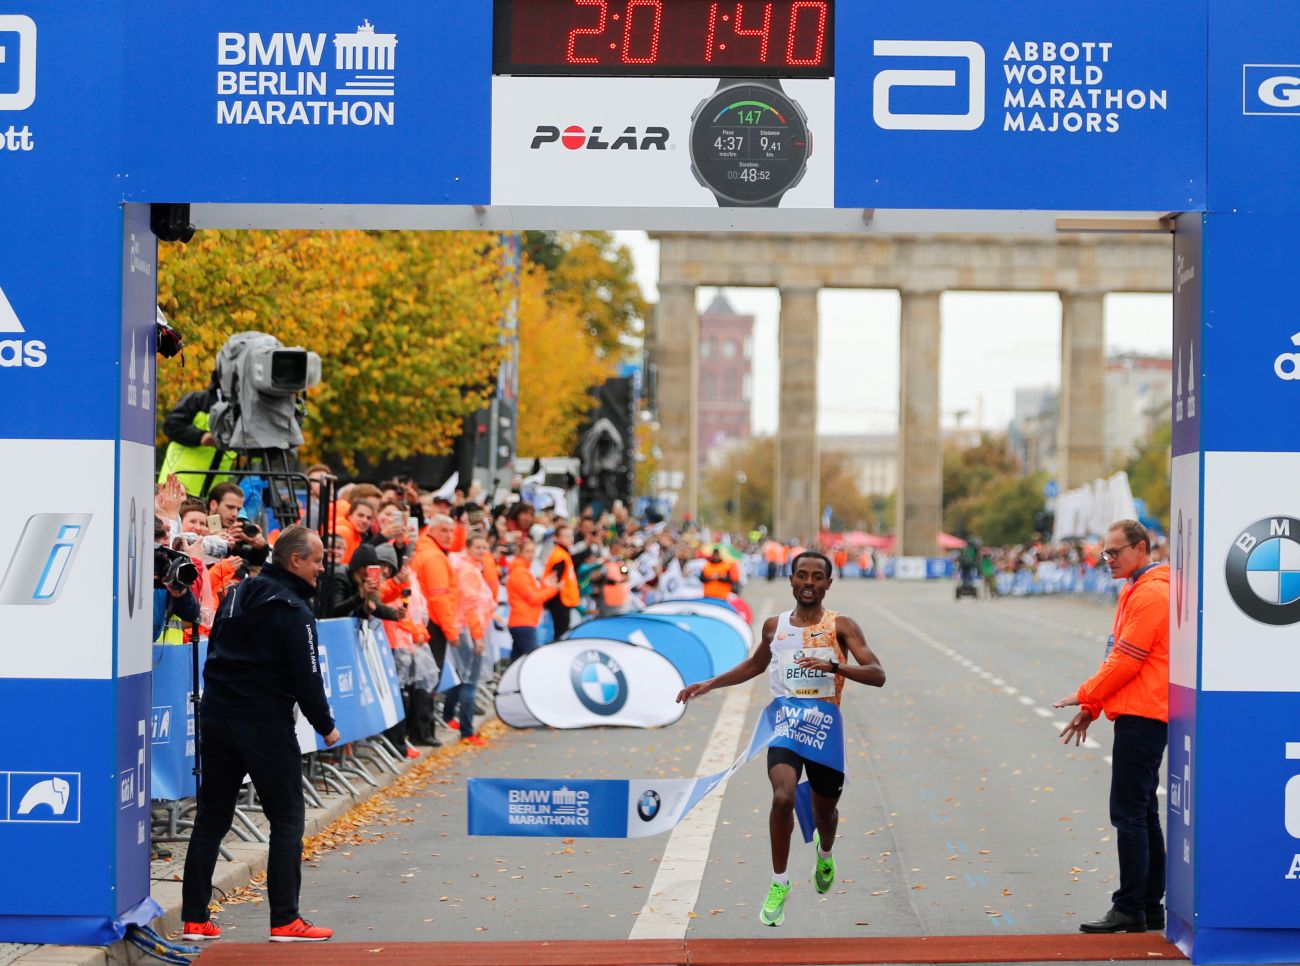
[(750, 143)]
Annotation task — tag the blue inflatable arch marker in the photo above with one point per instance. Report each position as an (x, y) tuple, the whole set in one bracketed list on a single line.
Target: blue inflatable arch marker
[(686, 651)]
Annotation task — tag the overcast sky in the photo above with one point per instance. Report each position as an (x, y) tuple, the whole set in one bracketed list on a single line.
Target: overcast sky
[(993, 343)]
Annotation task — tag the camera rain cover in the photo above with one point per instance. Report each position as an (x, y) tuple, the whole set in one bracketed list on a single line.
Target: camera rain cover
[(259, 380)]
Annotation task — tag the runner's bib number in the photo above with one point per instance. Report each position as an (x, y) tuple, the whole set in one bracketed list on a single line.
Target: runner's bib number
[(806, 682)]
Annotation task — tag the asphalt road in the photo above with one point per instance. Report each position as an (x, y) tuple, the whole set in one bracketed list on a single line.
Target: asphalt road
[(963, 814)]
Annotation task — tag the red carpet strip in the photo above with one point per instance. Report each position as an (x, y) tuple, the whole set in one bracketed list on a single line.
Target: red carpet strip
[(793, 951)]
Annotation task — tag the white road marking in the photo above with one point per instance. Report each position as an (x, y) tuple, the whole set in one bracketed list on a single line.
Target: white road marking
[(676, 888), (965, 662)]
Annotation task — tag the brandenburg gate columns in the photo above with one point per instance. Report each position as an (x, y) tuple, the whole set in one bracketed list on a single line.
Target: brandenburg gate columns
[(919, 507), (1081, 413), (797, 509), (677, 349)]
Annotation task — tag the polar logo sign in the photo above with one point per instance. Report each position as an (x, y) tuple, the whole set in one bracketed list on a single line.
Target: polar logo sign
[(889, 80), (1263, 571), (1270, 89), (576, 138), (1287, 365), (599, 682), (15, 353)]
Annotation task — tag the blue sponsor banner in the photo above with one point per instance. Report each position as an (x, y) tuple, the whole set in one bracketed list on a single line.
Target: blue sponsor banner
[(58, 808), (1180, 832), (1251, 335), (1188, 360), (1066, 105), (1249, 746), (361, 678), (310, 101), (634, 808), (131, 814), (171, 721), (1254, 105)]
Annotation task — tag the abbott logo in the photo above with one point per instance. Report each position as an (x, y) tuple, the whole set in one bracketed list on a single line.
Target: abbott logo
[(1270, 89), (24, 52), (887, 80)]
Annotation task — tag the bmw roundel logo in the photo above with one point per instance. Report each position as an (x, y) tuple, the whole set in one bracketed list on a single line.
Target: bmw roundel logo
[(1263, 570), (599, 682), (647, 806)]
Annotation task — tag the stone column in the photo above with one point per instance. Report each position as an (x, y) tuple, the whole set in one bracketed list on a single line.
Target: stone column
[(797, 502), (919, 506), (677, 356), (1081, 410)]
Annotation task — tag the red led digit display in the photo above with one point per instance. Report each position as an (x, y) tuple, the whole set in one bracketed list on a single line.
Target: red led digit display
[(665, 38)]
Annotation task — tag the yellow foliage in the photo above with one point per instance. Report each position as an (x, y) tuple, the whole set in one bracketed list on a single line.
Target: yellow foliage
[(558, 364), (406, 324)]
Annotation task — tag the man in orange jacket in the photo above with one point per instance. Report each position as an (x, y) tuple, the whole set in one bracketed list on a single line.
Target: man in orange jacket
[(1132, 688), (432, 568), (721, 578), (560, 564)]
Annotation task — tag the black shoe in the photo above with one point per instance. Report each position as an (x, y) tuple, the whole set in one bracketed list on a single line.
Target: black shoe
[(1156, 918), (1115, 921)]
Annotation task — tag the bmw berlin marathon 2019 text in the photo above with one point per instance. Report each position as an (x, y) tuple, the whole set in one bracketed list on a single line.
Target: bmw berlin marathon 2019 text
[(908, 135)]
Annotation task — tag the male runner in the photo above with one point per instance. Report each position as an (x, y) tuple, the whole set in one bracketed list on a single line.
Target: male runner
[(807, 627)]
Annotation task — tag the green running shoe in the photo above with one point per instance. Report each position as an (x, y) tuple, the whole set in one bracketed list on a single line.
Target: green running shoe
[(824, 870), (773, 911)]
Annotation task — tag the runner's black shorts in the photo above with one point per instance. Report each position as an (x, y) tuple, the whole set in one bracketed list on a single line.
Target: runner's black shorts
[(826, 782)]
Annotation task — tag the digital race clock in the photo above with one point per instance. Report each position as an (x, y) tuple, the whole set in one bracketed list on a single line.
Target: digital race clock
[(664, 38), (749, 143)]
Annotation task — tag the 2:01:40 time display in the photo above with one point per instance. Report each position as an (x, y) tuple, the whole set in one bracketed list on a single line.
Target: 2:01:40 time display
[(691, 38)]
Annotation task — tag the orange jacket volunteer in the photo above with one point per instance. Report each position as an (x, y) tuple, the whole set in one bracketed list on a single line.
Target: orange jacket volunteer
[(1134, 677)]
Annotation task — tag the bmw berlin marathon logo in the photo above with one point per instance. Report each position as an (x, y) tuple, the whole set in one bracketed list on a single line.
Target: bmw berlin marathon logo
[(647, 806), (599, 682), (1263, 570)]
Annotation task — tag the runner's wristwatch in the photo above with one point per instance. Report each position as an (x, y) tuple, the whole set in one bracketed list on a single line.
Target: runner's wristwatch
[(749, 142), (835, 666)]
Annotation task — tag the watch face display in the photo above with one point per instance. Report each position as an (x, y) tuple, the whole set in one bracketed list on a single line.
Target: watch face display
[(749, 144)]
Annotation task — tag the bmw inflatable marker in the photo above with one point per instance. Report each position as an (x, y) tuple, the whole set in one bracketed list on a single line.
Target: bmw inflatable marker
[(679, 644), (937, 115), (599, 683), (726, 648), (510, 703), (715, 612)]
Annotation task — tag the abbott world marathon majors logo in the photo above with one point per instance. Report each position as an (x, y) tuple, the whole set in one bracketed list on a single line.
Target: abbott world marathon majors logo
[(1044, 87), (307, 79), (1263, 571), (599, 682)]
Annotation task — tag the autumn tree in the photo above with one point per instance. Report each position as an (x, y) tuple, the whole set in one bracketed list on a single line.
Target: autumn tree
[(1148, 472), (406, 324), (599, 274), (558, 366)]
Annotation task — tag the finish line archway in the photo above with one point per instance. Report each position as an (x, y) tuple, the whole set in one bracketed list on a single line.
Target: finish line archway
[(978, 125)]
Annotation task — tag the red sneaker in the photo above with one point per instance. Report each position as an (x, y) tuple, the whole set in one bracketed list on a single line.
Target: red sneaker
[(201, 930), (454, 725), (412, 753), (300, 931), (474, 740)]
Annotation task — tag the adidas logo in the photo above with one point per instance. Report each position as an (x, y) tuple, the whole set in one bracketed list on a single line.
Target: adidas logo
[(15, 353)]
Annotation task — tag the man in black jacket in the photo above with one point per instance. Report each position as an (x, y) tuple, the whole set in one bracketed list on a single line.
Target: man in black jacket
[(262, 659)]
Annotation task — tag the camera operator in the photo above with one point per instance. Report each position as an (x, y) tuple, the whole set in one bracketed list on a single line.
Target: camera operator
[(262, 659), (173, 597)]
